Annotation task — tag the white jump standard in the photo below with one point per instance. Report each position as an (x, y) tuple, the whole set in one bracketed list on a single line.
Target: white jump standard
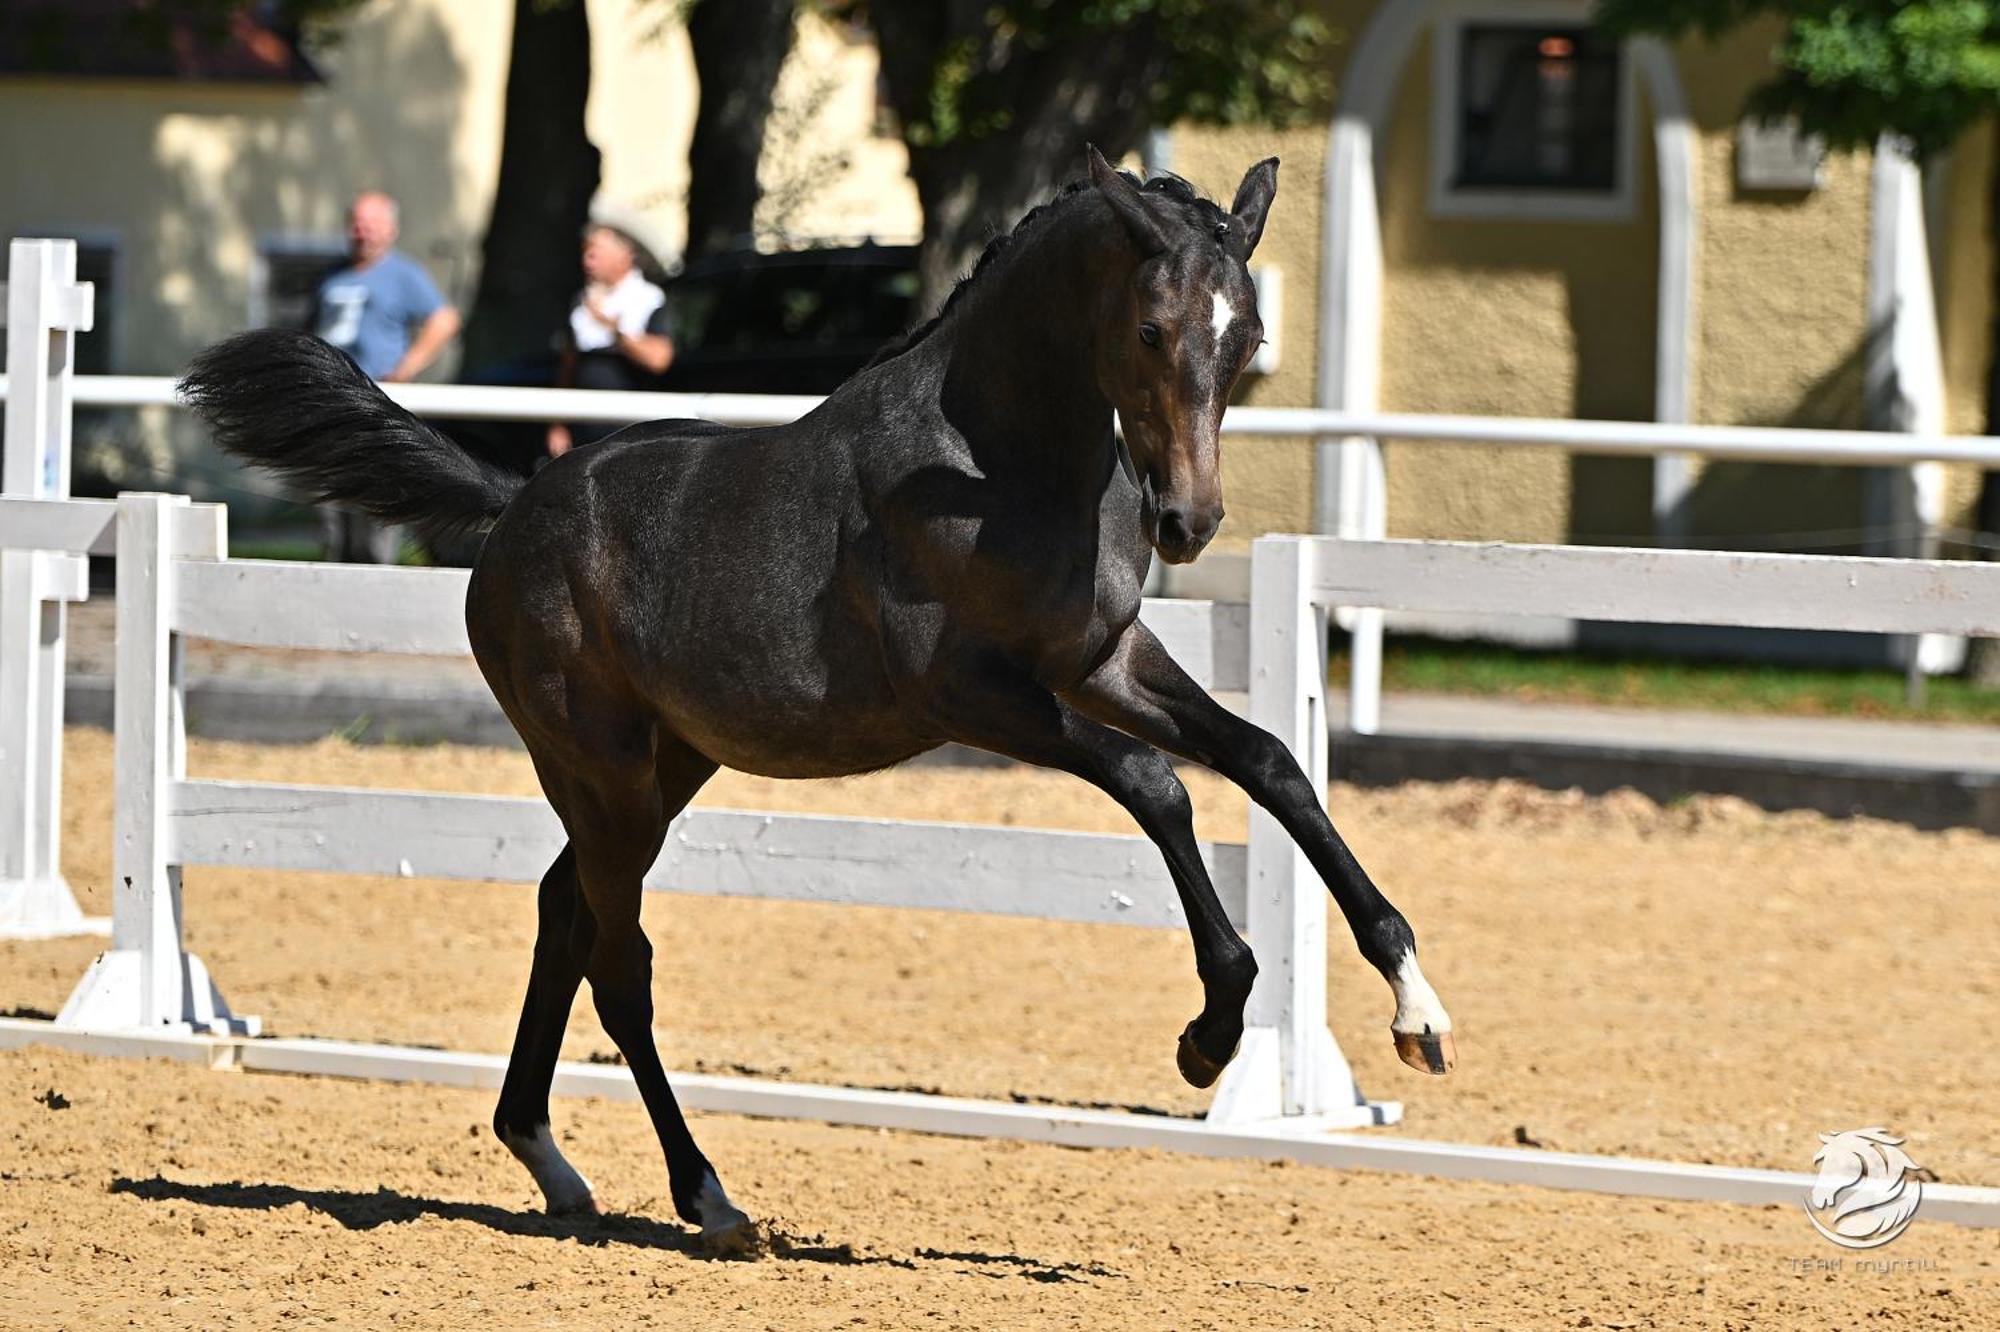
[(46, 308)]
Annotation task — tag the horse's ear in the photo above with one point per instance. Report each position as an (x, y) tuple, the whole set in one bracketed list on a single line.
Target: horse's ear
[(1123, 196), (1253, 201)]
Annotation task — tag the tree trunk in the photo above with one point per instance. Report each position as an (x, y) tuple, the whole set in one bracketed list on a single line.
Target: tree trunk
[(1045, 103), (739, 47), (1982, 655), (531, 269), (970, 192)]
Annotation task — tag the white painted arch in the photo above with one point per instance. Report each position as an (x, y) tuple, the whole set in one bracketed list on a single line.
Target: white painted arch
[(1349, 498)]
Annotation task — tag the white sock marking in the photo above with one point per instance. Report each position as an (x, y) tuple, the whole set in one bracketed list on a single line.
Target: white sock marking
[(1219, 319), (562, 1186), (1418, 1008), (717, 1212)]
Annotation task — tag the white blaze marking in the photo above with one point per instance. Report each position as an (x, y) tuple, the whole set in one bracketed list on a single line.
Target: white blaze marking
[(1418, 1008), (717, 1212), (565, 1190), (1219, 320)]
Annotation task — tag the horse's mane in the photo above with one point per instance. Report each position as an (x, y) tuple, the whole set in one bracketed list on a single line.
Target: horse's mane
[(1197, 211)]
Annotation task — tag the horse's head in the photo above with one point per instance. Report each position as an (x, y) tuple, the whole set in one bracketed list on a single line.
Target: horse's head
[(1173, 338)]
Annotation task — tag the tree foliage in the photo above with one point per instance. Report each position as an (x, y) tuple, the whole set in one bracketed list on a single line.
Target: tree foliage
[(1927, 70), (996, 98), (1214, 61)]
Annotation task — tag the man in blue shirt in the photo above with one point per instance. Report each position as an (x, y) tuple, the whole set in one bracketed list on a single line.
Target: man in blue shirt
[(382, 309)]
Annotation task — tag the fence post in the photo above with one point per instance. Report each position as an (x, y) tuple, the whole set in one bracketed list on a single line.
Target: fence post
[(147, 979), (1365, 519), (1903, 375), (1290, 1065), (46, 308)]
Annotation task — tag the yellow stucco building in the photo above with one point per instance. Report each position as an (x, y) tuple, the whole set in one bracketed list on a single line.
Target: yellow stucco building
[(192, 189), (1511, 215), (201, 203), (1507, 215)]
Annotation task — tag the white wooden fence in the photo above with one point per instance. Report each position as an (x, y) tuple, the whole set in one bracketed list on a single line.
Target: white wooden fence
[(1350, 478), (1289, 1084), (172, 580), (147, 995)]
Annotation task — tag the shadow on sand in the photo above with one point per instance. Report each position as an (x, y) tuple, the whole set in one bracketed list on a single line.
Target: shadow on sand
[(355, 1210)]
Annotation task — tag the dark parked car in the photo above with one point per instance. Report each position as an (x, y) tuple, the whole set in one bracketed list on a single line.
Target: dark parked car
[(800, 321)]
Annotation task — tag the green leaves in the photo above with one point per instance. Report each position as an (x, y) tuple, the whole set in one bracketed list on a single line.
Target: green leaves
[(1853, 69), (1243, 63), (1216, 61)]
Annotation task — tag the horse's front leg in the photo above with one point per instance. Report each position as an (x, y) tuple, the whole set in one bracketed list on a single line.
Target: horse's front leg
[(1023, 721), (1141, 690)]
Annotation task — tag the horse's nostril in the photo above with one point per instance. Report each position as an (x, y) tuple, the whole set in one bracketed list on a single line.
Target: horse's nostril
[(1173, 527)]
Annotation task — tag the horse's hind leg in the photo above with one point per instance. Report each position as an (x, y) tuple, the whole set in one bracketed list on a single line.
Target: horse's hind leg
[(521, 1120), (617, 830)]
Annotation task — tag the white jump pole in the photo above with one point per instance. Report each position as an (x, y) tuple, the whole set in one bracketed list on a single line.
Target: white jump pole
[(1289, 1065), (46, 308), (148, 980)]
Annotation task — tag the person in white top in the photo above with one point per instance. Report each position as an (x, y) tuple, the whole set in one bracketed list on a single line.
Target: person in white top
[(616, 334)]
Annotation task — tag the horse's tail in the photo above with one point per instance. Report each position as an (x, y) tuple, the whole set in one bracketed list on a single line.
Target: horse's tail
[(287, 401)]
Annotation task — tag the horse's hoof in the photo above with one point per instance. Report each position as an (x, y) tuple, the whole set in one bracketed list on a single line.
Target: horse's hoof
[(1196, 1067), (741, 1238), (726, 1231), (587, 1205), (1427, 1051)]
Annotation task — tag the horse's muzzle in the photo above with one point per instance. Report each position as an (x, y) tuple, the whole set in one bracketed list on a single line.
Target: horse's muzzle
[(1180, 537)]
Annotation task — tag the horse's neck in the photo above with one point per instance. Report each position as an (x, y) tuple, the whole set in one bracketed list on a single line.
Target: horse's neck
[(1021, 380)]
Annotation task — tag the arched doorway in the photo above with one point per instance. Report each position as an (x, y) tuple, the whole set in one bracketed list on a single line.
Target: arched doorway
[(1350, 372)]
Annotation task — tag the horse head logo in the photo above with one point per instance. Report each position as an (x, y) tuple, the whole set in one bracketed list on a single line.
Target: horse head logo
[(1867, 1191)]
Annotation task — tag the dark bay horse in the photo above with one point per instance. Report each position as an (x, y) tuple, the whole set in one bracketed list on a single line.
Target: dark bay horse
[(950, 548)]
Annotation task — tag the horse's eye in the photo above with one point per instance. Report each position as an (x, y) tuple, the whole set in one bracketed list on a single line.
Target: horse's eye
[(1149, 334)]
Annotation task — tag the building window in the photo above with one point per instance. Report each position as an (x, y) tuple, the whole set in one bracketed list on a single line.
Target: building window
[(1530, 119), (285, 282), (1537, 109)]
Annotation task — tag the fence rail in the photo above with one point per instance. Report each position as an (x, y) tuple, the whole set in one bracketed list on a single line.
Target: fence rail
[(1644, 586), (1632, 586), (90, 527), (1093, 878), (1617, 438)]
